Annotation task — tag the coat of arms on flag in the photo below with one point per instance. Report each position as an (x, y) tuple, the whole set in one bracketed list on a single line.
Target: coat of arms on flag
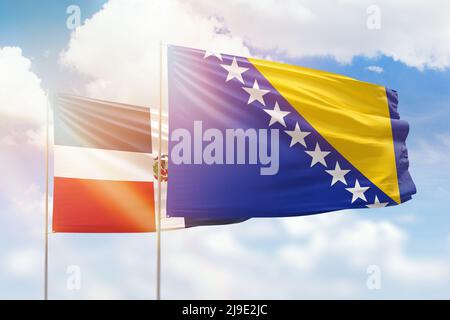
[(164, 168)]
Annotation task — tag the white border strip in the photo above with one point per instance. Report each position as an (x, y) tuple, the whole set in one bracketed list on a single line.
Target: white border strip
[(101, 164)]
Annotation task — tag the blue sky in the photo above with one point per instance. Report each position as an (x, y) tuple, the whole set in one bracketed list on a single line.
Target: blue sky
[(97, 62)]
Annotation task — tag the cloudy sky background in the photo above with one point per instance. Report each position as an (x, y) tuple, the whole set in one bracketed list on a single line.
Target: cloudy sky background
[(114, 55)]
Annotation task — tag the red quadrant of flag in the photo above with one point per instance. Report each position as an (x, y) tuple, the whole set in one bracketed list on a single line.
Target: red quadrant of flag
[(103, 206)]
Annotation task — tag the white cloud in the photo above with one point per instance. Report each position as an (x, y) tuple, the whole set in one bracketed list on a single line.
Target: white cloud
[(22, 100), (21, 95), (326, 259), (37, 137), (8, 140), (47, 53), (432, 151), (119, 46), (23, 263), (30, 201), (406, 218), (359, 242), (338, 28), (376, 69), (22, 116), (28, 208), (322, 256)]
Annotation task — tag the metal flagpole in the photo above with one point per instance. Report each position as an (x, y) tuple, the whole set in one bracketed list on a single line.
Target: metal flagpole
[(46, 199), (158, 217)]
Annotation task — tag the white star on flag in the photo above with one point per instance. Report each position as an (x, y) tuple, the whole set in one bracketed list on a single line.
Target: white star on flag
[(256, 94), (318, 156), (234, 71), (377, 204), (297, 135), (277, 115), (338, 174), (208, 54), (357, 191)]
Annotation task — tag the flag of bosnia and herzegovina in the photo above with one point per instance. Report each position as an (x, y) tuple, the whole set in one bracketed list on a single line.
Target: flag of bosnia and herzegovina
[(255, 138)]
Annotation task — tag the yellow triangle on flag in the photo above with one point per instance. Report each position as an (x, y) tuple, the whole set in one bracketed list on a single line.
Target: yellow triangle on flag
[(353, 116)]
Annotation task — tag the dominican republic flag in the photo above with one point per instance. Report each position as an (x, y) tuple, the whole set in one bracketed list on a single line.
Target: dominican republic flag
[(105, 171), (254, 138)]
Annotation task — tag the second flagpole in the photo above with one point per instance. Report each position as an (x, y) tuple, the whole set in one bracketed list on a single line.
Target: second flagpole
[(158, 217)]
